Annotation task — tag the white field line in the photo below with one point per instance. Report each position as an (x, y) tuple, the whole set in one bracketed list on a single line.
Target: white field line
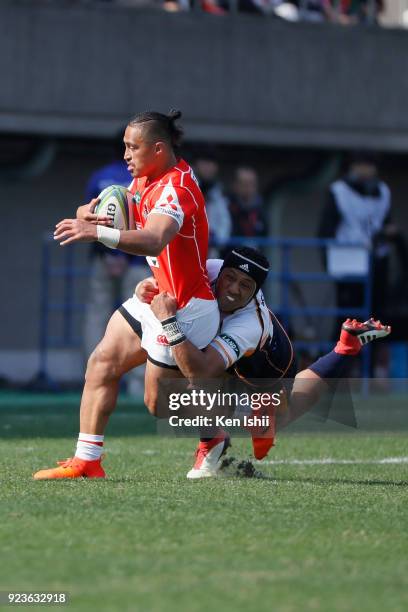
[(330, 461), (324, 461)]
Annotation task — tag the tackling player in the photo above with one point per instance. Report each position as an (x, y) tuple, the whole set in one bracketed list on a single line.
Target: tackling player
[(252, 345)]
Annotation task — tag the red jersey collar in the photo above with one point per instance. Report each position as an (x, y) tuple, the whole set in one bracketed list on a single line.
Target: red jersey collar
[(180, 165)]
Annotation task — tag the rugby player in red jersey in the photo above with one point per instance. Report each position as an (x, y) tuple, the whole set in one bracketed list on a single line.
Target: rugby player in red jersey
[(172, 232)]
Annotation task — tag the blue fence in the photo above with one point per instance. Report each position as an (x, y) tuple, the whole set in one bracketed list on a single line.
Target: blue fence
[(282, 277)]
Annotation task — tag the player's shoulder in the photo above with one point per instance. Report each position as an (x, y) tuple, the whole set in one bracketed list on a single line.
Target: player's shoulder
[(260, 301), (182, 176), (179, 185), (255, 314)]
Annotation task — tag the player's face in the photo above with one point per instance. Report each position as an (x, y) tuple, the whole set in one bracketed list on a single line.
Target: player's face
[(141, 155), (234, 289)]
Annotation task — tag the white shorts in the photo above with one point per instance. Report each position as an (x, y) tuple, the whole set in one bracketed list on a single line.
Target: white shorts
[(199, 320)]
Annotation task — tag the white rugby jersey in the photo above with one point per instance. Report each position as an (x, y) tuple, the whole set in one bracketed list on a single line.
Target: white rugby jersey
[(244, 329)]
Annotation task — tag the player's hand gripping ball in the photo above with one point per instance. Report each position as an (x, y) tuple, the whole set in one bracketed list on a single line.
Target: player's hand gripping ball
[(115, 203)]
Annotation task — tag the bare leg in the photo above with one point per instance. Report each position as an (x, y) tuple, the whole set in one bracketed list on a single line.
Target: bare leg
[(153, 376), (308, 388), (118, 352)]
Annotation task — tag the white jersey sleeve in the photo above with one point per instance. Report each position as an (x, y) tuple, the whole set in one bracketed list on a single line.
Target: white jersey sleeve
[(239, 335)]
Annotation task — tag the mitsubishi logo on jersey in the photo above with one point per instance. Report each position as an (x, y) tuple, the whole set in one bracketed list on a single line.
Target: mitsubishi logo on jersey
[(168, 204), (244, 267)]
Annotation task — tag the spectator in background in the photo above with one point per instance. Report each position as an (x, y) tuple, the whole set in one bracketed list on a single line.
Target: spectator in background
[(305, 10), (206, 169), (358, 210), (353, 12), (114, 274), (216, 7), (315, 10), (176, 6), (246, 206), (346, 12)]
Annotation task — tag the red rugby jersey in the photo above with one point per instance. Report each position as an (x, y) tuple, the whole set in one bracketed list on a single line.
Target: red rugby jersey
[(180, 269)]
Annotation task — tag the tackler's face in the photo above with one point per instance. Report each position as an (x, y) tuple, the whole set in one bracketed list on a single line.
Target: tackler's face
[(233, 289), (141, 154)]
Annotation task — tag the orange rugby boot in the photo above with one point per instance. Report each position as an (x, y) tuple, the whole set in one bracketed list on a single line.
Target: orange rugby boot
[(263, 432), (263, 438), (73, 468)]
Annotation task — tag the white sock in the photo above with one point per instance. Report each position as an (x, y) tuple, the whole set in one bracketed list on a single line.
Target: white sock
[(89, 446)]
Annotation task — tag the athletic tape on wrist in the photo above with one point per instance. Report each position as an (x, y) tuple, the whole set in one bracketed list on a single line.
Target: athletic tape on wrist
[(109, 236), (173, 331)]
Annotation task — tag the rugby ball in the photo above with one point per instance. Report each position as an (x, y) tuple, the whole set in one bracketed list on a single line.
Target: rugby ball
[(115, 202)]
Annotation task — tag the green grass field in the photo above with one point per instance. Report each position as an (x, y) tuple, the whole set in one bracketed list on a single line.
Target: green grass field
[(308, 536)]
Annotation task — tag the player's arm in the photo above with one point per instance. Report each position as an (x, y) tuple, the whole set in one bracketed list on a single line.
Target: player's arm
[(163, 222), (193, 362), (151, 240)]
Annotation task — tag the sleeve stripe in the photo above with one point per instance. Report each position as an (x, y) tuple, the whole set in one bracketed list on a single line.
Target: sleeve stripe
[(219, 347), (155, 211)]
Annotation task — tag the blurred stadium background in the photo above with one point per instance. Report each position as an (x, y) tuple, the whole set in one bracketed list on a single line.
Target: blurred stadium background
[(289, 99), (287, 89)]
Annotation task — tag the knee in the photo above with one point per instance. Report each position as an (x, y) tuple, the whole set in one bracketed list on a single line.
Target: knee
[(305, 374), (309, 385), (305, 379)]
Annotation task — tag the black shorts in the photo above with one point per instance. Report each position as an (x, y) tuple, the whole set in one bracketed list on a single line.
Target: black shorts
[(134, 323)]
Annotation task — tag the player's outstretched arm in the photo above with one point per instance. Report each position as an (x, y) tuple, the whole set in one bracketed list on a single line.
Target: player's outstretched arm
[(151, 240), (193, 363)]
